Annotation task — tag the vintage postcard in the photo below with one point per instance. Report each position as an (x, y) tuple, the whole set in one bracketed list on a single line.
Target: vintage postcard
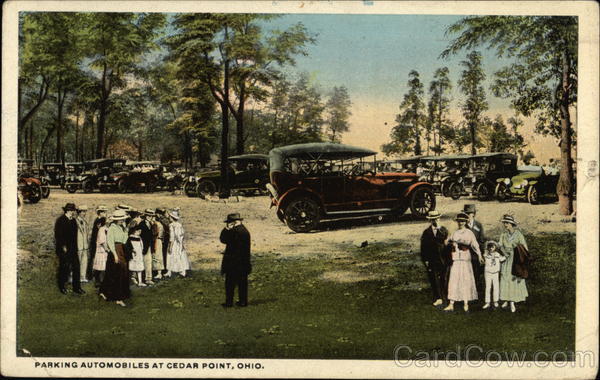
[(300, 189)]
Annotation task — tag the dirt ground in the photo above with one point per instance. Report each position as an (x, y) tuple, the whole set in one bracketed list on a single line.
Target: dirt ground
[(203, 221)]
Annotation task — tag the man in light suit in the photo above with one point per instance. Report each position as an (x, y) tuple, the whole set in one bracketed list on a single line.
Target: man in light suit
[(477, 230)]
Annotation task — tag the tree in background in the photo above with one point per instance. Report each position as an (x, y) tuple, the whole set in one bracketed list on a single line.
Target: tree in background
[(475, 103), (405, 135), (338, 113), (438, 107), (543, 80), (528, 157), (518, 142), (500, 139)]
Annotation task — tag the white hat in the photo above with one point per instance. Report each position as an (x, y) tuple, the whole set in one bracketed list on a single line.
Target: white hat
[(118, 215)]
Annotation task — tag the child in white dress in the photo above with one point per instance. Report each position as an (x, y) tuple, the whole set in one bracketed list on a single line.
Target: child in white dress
[(493, 257), (136, 247)]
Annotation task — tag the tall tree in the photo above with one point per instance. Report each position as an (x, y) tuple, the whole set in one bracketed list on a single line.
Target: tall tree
[(117, 41), (438, 107), (475, 104), (338, 113), (543, 80), (407, 131)]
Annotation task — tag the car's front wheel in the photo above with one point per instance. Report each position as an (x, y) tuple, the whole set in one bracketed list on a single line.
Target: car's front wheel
[(45, 191), (71, 188), (35, 193), (422, 200), (206, 187), (455, 190), (532, 195), (189, 188), (502, 192), (87, 186), (484, 192), (122, 186), (302, 215)]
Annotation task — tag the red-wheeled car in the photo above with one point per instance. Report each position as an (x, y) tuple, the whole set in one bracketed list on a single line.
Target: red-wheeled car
[(31, 187), (319, 181)]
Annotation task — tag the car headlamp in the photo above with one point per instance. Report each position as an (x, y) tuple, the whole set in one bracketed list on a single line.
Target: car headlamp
[(507, 181), (524, 183)]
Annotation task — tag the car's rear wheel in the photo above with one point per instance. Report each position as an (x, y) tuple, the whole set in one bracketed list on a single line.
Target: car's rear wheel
[(71, 188), (87, 186), (502, 192), (122, 186), (206, 187), (189, 188), (35, 193), (484, 192), (532, 195), (45, 191), (444, 188), (422, 200), (302, 215), (455, 190)]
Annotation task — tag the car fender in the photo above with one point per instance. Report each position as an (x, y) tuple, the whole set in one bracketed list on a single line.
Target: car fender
[(294, 193), (529, 183), (412, 187)]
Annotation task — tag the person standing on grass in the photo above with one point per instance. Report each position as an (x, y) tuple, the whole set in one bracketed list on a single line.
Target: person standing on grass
[(147, 240), (100, 213), (512, 288), (166, 222), (115, 286), (134, 249), (236, 265), (158, 233), (461, 283), (100, 256), (433, 241), (477, 229), (65, 238), (493, 258), (177, 260), (83, 247)]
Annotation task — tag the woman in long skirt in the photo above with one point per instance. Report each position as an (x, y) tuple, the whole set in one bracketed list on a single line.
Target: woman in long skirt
[(115, 286), (512, 288), (177, 259), (135, 248), (461, 283), (99, 265)]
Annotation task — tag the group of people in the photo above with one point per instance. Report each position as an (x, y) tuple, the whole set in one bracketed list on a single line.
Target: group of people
[(128, 245), (139, 247), (456, 262)]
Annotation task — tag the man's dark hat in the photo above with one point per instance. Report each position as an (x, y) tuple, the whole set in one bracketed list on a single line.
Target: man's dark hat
[(160, 211), (469, 208), (70, 207), (461, 216), (233, 217)]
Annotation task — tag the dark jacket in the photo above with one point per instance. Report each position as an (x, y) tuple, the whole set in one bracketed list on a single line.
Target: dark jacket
[(432, 246), (521, 259), (236, 259), (147, 235), (94, 235), (65, 235), (478, 232)]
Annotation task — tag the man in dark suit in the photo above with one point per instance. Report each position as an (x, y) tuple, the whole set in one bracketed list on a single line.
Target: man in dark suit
[(65, 237), (236, 264), (477, 230), (433, 241)]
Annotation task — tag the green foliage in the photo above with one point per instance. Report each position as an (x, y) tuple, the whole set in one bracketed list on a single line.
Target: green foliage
[(475, 103), (338, 112), (499, 137), (438, 124)]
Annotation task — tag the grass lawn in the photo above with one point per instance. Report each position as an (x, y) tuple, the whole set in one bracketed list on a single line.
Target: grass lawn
[(295, 312)]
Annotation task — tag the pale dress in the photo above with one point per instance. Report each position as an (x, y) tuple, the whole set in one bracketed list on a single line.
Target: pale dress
[(461, 283), (100, 256), (512, 288), (136, 264), (177, 260)]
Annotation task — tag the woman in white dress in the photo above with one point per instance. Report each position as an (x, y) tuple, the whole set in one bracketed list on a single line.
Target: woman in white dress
[(135, 247), (177, 259), (99, 265), (461, 283)]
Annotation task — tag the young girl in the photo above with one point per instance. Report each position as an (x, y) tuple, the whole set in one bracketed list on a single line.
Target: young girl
[(100, 254), (493, 257), (135, 247), (461, 284)]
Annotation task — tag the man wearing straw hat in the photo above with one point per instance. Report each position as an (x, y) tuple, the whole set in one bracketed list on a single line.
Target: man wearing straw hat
[(83, 243), (65, 236), (236, 264), (433, 241)]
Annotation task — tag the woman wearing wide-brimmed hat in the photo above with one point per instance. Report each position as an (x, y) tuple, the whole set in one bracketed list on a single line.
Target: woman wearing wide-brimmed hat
[(512, 288), (461, 282), (177, 259), (115, 286)]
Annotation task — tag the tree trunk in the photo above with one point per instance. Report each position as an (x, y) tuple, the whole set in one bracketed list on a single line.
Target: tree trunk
[(224, 191), (239, 146), (417, 140), (472, 130), (60, 100), (564, 188), (77, 136)]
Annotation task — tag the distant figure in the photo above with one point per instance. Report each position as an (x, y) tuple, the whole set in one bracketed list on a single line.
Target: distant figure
[(493, 258), (115, 286), (461, 282), (100, 251), (236, 264), (65, 237), (433, 241), (177, 259), (100, 214), (160, 239), (83, 243), (134, 248), (477, 230), (512, 288), (148, 241)]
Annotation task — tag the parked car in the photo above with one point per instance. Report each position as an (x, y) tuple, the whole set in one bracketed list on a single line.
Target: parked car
[(54, 172), (94, 170), (320, 181), (134, 176), (28, 184), (248, 174), (485, 170), (532, 183), (172, 179), (72, 169), (447, 173)]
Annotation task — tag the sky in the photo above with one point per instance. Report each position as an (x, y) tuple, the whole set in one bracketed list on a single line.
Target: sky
[(372, 55)]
